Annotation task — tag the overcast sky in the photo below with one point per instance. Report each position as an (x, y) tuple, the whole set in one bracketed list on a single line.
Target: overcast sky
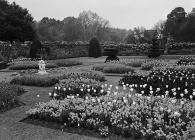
[(121, 13)]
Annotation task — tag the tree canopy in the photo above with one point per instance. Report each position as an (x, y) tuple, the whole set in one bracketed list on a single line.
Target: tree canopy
[(16, 23)]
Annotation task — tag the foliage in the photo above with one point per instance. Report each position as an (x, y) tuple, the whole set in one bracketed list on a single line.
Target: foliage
[(132, 62), (30, 65), (95, 49), (154, 51), (181, 45), (174, 81), (35, 47), (113, 68), (80, 87), (35, 80), (16, 22), (85, 75), (150, 64), (123, 113), (66, 63), (180, 26), (186, 60), (8, 95)]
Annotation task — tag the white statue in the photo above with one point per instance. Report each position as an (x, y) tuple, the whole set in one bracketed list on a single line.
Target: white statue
[(42, 67)]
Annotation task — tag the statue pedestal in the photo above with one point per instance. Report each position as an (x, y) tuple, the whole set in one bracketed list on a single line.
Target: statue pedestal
[(42, 72)]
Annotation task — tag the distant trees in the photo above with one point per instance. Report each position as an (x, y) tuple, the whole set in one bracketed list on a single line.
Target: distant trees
[(180, 25), (137, 35), (16, 24), (87, 24)]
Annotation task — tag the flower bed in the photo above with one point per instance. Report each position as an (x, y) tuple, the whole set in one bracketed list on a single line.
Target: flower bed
[(86, 75), (123, 113), (8, 95), (178, 82), (79, 87), (186, 60), (150, 64)]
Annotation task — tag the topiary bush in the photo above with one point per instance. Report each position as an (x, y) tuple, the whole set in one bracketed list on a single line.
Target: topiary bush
[(112, 54), (154, 52), (35, 48), (95, 49)]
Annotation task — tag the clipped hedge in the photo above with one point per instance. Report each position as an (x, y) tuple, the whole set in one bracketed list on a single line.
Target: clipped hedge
[(30, 65), (35, 80), (113, 68)]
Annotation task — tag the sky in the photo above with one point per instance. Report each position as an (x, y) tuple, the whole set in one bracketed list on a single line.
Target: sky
[(125, 14)]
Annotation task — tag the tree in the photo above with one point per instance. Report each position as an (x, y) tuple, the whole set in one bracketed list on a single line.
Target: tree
[(175, 20), (92, 24), (50, 29), (137, 35), (72, 29), (16, 23), (187, 30)]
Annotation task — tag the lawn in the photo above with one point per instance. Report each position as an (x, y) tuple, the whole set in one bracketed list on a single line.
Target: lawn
[(31, 130)]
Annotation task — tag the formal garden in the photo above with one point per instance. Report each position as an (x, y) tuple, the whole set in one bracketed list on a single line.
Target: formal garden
[(59, 82)]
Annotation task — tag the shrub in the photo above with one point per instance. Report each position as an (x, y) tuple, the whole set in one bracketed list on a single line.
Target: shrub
[(79, 87), (95, 49), (154, 52), (66, 63), (118, 70), (36, 80), (186, 60), (35, 48), (150, 64), (112, 54), (132, 62), (113, 68), (8, 95), (86, 75), (30, 65), (182, 45), (122, 113)]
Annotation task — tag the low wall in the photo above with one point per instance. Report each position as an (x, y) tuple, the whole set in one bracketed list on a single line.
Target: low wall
[(60, 50)]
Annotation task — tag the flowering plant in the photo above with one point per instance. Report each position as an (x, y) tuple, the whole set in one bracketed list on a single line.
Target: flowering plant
[(127, 114), (76, 87), (173, 82)]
